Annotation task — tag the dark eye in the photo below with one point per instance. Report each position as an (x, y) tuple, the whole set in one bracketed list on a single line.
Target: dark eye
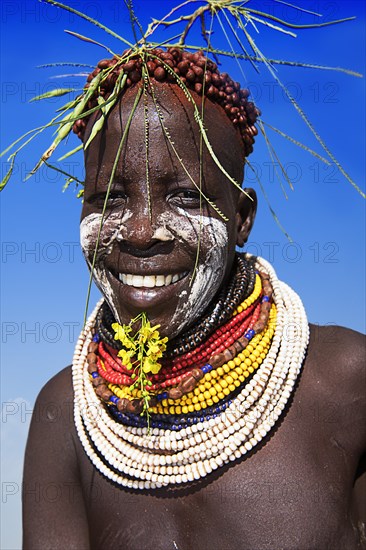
[(186, 198), (114, 200)]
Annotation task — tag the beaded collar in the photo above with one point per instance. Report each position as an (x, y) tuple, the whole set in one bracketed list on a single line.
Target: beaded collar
[(213, 403)]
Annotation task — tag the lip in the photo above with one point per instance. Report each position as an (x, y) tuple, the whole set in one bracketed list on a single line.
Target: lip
[(145, 298)]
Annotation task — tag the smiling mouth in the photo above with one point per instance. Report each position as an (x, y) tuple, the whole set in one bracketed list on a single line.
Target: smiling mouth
[(150, 281)]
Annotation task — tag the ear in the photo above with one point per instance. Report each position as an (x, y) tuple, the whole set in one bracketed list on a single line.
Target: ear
[(245, 215)]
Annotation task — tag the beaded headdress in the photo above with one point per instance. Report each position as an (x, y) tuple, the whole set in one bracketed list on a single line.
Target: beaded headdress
[(153, 57)]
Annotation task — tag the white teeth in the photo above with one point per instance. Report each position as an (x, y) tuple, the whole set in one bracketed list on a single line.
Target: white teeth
[(137, 280), (149, 281), (160, 280)]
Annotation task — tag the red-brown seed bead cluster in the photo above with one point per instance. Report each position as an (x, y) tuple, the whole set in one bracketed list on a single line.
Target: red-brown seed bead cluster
[(196, 71)]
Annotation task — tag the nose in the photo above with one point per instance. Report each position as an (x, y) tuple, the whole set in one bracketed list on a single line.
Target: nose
[(142, 232)]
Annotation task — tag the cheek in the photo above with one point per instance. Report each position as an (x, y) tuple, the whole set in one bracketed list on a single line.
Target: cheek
[(211, 267), (210, 270), (89, 228), (112, 229), (195, 231)]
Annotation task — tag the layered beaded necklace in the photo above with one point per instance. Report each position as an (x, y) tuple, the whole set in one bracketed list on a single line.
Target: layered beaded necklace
[(215, 398)]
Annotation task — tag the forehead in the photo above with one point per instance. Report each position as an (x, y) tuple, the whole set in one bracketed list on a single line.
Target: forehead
[(164, 144)]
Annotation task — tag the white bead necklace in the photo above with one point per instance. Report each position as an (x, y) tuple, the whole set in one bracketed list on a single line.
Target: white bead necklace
[(135, 459)]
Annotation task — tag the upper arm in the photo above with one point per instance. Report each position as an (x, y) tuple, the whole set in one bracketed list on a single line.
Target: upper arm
[(54, 513), (337, 383), (340, 370)]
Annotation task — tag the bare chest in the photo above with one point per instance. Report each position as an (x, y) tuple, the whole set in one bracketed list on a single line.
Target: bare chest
[(291, 493)]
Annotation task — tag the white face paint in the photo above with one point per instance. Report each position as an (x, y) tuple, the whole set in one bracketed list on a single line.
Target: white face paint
[(113, 229), (207, 278)]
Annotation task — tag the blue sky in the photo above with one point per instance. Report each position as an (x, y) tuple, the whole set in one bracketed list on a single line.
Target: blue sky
[(44, 279)]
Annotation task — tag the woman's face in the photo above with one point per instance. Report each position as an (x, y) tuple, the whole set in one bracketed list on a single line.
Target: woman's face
[(162, 249)]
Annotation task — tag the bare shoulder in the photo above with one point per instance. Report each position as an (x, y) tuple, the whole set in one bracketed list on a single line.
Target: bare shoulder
[(340, 352), (52, 419), (335, 373), (54, 404), (54, 514), (58, 388)]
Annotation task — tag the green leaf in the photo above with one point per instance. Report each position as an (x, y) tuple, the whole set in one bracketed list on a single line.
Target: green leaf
[(64, 64), (20, 139), (67, 184), (66, 123), (34, 131), (58, 92), (274, 157), (106, 106), (69, 75), (249, 11), (69, 105), (8, 173), (90, 40), (69, 153), (87, 18), (303, 115), (296, 142), (70, 176)]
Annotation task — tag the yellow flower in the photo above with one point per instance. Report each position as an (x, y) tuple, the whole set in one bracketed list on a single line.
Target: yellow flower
[(141, 350), (121, 334), (126, 357), (147, 332), (150, 365), (154, 349)]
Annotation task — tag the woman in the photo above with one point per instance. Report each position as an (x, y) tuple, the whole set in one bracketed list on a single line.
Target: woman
[(160, 238)]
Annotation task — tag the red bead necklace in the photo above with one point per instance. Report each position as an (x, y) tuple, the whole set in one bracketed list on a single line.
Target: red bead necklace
[(112, 370)]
